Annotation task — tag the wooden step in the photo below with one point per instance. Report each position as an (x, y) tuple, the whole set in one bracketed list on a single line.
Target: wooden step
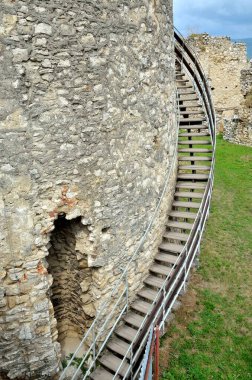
[(187, 92), (154, 281), (194, 142), (186, 204), (195, 150), (183, 214), (175, 236), (171, 247), (112, 362), (166, 258), (133, 319), (201, 177), (190, 185), (194, 105), (181, 225), (118, 346), (188, 194), (102, 374), (184, 98), (194, 134), (148, 293), (194, 167), (182, 80), (196, 126), (126, 333), (195, 158), (191, 121), (184, 87), (141, 306), (163, 270), (191, 112)]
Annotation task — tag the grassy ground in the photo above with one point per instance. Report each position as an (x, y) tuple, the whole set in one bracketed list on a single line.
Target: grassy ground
[(211, 337)]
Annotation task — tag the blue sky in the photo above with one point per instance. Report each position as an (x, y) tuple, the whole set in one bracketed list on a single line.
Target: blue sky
[(231, 18)]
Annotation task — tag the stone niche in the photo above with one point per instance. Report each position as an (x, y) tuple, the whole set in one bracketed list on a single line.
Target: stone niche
[(72, 278), (88, 133)]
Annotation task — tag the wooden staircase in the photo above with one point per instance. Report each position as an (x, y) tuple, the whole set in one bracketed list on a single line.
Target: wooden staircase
[(121, 354), (195, 156)]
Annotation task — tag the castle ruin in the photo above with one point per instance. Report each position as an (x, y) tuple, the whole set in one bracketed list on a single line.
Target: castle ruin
[(88, 130), (230, 76)]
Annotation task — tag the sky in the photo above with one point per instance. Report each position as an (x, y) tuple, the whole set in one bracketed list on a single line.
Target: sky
[(231, 18)]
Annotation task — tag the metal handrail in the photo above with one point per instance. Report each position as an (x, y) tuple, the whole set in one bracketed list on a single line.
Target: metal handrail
[(167, 295), (190, 249), (195, 59), (200, 80), (186, 252), (193, 68)]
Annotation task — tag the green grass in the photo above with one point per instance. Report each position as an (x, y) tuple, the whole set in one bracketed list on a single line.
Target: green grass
[(214, 340)]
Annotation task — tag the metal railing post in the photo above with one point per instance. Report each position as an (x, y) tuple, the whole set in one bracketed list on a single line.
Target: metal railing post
[(131, 362), (185, 274), (157, 336), (127, 291), (163, 309), (93, 351)]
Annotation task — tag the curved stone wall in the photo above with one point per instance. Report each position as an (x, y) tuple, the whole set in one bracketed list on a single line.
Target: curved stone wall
[(87, 130)]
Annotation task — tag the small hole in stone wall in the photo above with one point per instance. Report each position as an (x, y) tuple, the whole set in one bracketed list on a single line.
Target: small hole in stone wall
[(212, 88), (71, 281), (105, 230)]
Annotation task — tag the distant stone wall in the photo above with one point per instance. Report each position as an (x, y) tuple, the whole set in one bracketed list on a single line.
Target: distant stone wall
[(222, 61), (246, 80), (238, 131), (225, 64), (87, 132), (239, 128)]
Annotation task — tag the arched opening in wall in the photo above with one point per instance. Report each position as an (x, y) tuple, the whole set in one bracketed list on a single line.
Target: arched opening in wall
[(70, 292)]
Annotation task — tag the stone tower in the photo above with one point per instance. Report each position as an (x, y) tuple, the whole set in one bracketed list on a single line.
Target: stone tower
[(87, 132)]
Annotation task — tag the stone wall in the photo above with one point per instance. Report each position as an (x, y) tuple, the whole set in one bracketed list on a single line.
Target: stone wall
[(225, 64), (87, 132), (238, 129), (71, 291), (246, 80)]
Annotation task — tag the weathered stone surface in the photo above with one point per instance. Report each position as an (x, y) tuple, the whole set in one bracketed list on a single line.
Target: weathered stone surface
[(14, 120), (88, 40), (227, 68), (8, 23), (222, 61), (88, 130), (43, 28), (20, 55)]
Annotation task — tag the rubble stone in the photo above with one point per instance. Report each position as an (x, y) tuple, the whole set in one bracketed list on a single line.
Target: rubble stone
[(230, 78), (88, 134)]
